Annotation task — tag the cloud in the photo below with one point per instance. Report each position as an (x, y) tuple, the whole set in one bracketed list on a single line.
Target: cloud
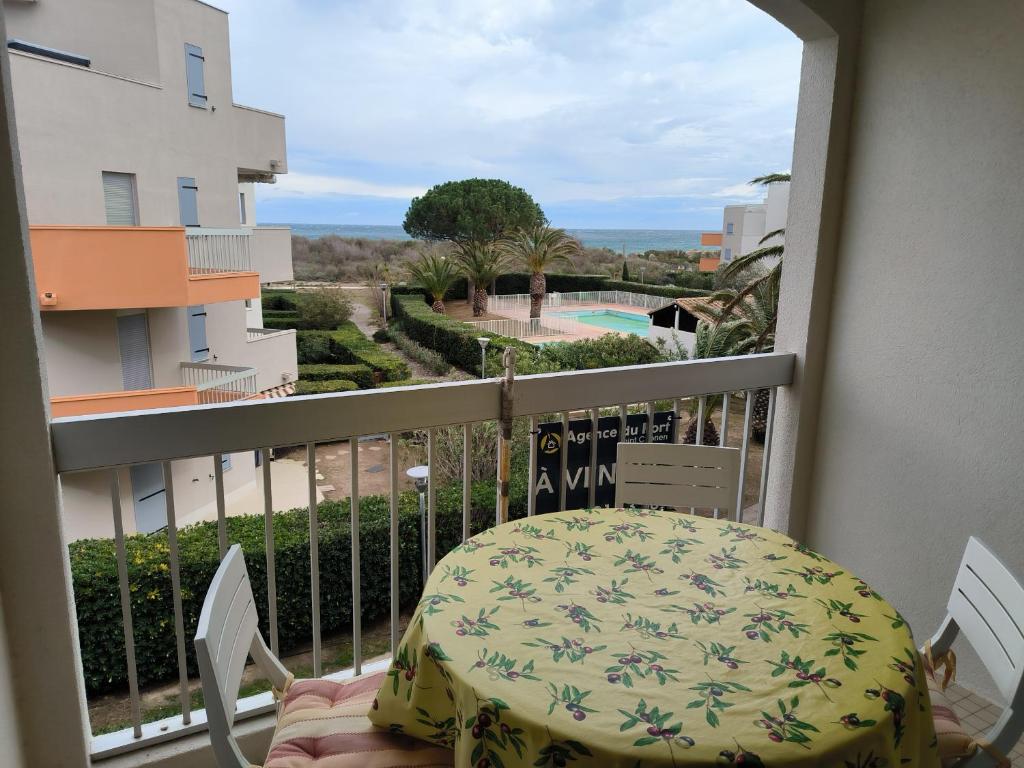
[(309, 185), (574, 100)]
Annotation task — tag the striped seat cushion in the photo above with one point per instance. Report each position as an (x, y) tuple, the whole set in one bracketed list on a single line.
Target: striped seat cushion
[(323, 724), (954, 742)]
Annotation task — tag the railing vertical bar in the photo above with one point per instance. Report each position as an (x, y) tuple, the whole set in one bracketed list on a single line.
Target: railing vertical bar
[(431, 499), (531, 496), (650, 422), (394, 544), (592, 485), (675, 418), (766, 456), (179, 618), (357, 598), (563, 461), (222, 520), (701, 416), (126, 607), (467, 478), (268, 540), (747, 412), (723, 435), (314, 560)]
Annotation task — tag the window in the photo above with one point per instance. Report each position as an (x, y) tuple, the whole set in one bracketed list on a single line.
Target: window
[(188, 201), (198, 346), (241, 207), (728, 228), (728, 254), (119, 199), (195, 76), (248, 303), (225, 462)]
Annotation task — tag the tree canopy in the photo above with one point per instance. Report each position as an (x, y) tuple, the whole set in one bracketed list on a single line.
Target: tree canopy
[(472, 210)]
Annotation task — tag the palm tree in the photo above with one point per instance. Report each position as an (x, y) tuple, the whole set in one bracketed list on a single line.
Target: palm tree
[(482, 263), (757, 313), (539, 249), (434, 272), (742, 263), (722, 339)]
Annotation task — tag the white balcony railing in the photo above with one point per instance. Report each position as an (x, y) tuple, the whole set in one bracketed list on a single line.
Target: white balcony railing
[(219, 383), (218, 250), (521, 301), (107, 443), (534, 327)]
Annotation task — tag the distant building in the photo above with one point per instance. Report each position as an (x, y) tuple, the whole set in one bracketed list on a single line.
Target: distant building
[(744, 226), (139, 172)]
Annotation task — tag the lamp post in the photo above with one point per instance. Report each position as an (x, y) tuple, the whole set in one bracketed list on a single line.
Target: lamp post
[(641, 275), (384, 301), (483, 341), (419, 476)]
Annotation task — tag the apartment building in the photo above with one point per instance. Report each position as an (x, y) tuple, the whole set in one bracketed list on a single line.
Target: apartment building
[(744, 226), (139, 174)]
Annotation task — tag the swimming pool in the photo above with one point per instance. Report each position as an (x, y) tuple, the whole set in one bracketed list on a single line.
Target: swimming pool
[(613, 320)]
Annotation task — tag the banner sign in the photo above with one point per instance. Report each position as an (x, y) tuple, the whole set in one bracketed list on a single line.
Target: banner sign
[(577, 470)]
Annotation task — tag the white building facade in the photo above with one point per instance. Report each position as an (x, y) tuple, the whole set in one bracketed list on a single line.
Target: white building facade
[(139, 174)]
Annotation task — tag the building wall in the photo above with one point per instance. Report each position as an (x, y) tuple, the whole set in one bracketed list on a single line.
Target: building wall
[(85, 29), (82, 355), (9, 734), (919, 439)]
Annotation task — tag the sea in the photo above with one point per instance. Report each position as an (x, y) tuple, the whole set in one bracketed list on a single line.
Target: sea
[(628, 240)]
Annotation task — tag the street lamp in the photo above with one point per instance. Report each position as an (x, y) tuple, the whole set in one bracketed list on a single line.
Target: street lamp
[(641, 275), (483, 341), (419, 476), (384, 301)]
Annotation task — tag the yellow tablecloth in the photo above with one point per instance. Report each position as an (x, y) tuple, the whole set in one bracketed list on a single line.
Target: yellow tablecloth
[(641, 638)]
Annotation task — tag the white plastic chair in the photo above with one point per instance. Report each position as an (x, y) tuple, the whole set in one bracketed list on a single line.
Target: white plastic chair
[(987, 607), (669, 475), (226, 635)]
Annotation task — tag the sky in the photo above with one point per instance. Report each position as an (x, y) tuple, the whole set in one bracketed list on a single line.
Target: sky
[(647, 114)]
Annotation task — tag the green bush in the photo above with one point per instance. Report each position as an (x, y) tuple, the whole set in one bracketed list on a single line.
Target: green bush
[(704, 281), (668, 291), (519, 282), (324, 310), (282, 323), (430, 359), (606, 351), (381, 335), (347, 344), (287, 314), (278, 300), (324, 386), (454, 341), (94, 575), (357, 372), (405, 383)]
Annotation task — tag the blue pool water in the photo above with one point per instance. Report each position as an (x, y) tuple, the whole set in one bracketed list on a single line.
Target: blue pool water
[(613, 320)]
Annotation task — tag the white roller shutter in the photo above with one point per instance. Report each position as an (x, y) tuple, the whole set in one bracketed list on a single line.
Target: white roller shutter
[(119, 199)]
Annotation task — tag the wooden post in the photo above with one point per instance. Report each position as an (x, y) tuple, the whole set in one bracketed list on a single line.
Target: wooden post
[(505, 435)]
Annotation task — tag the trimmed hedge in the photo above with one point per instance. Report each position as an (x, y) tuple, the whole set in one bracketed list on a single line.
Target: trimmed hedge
[(454, 341), (425, 356), (324, 386), (349, 345), (357, 372), (281, 323), (519, 282), (94, 575), (278, 301)]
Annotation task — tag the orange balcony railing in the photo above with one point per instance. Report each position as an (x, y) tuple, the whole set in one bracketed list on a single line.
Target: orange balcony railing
[(711, 238), (128, 400), (79, 267)]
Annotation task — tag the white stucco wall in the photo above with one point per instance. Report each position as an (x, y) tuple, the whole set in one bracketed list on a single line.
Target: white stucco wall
[(919, 440), (9, 735)]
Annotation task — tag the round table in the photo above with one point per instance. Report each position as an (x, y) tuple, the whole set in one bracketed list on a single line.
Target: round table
[(629, 638)]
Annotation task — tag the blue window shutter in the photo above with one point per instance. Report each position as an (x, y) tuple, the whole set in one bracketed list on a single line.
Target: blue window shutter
[(195, 78), (198, 345), (225, 461), (188, 201)]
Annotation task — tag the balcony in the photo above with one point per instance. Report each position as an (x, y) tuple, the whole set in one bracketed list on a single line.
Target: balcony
[(78, 268), (220, 383), (273, 355), (272, 253), (259, 142), (99, 443), (711, 238), (129, 400)]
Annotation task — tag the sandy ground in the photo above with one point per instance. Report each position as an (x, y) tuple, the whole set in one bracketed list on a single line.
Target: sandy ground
[(334, 467)]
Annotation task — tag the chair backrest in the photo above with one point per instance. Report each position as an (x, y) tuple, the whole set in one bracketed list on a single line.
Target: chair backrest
[(987, 605), (227, 634), (669, 475)]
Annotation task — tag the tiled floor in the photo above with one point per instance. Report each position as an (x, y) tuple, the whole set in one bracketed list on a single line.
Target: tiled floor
[(978, 715)]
